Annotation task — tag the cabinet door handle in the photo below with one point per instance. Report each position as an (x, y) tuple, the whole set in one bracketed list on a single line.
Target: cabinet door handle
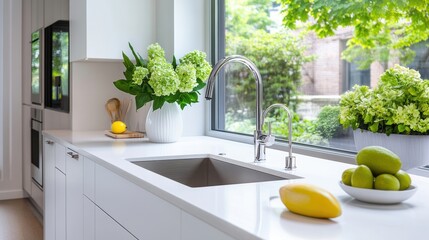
[(73, 155), (49, 142)]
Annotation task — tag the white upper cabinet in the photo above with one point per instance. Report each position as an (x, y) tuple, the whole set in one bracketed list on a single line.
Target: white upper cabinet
[(101, 29), (46, 12), (37, 16), (56, 10)]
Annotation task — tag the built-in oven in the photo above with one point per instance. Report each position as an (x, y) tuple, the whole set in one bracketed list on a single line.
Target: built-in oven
[(36, 147)]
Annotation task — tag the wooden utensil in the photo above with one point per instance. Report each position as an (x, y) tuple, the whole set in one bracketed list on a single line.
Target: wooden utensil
[(113, 107), (125, 108)]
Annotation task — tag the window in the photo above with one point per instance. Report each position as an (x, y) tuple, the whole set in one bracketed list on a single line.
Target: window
[(305, 72)]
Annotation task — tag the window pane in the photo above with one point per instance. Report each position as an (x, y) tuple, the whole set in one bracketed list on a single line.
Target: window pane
[(306, 73)]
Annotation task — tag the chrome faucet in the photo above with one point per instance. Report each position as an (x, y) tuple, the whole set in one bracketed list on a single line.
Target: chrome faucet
[(290, 160), (260, 140)]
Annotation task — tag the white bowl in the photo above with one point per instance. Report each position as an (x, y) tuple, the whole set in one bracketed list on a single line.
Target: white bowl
[(379, 196)]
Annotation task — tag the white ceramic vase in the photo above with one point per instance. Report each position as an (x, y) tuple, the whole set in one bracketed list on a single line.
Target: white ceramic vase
[(413, 150), (164, 125)]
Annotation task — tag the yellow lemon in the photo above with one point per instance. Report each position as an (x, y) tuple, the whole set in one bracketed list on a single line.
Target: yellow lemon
[(309, 200), (118, 127)]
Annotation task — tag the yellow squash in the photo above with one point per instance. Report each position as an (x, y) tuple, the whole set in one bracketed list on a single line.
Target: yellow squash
[(309, 200)]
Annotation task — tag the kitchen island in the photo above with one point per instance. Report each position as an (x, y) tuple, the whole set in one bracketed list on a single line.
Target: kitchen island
[(237, 211)]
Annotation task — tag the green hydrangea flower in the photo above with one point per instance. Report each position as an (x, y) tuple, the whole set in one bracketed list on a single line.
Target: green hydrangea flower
[(139, 74), (161, 81), (158, 63), (399, 104), (187, 77), (198, 59), (155, 51), (164, 80)]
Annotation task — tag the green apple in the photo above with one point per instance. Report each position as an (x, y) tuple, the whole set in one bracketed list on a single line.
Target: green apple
[(362, 177), (386, 181), (346, 178), (404, 179)]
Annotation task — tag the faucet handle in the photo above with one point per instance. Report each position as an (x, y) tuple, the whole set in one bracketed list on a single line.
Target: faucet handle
[(269, 140)]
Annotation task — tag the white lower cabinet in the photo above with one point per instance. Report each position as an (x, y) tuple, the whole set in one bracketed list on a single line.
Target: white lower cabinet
[(108, 229), (60, 205), (142, 213), (63, 189), (74, 195), (100, 226), (195, 229), (90, 202), (49, 189), (88, 219)]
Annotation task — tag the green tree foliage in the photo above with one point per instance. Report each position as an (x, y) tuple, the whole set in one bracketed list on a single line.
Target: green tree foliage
[(279, 57), (243, 17), (382, 28), (328, 122)]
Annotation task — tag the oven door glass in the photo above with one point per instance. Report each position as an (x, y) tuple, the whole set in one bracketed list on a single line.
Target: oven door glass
[(36, 152)]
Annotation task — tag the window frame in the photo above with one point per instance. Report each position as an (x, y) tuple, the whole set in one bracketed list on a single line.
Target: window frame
[(217, 38)]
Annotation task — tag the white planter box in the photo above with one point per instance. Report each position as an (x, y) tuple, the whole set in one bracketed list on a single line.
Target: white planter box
[(412, 149)]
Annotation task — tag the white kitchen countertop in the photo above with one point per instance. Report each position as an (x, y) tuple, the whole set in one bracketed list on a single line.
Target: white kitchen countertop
[(254, 210)]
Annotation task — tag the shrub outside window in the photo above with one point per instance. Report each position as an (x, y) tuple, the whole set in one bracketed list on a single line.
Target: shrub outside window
[(301, 67)]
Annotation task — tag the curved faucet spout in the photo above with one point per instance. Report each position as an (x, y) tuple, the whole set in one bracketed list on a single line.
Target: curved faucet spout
[(290, 160), (258, 136), (258, 80)]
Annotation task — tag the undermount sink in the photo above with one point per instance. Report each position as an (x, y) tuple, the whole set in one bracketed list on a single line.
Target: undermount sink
[(204, 172)]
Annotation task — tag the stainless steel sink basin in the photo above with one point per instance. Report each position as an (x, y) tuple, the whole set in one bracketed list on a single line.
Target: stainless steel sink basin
[(203, 172)]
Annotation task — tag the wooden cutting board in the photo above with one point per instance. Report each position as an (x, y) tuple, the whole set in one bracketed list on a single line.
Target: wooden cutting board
[(126, 134)]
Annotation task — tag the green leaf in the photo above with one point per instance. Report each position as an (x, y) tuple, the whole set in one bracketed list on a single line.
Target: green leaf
[(137, 57), (127, 86), (127, 62), (368, 119), (142, 99), (158, 102), (129, 74), (193, 96), (373, 127), (200, 85), (401, 128), (182, 105), (147, 88), (412, 91), (185, 98), (172, 98), (129, 67), (174, 63), (123, 85)]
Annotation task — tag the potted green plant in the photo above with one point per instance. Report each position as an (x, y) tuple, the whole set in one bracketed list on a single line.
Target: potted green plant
[(167, 86), (394, 114)]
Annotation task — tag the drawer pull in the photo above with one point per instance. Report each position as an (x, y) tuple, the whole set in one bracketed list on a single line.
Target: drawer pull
[(49, 142), (73, 155)]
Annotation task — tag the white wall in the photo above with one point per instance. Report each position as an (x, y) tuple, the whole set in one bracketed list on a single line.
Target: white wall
[(181, 26), (1, 82), (165, 26), (190, 34), (11, 166), (92, 86)]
